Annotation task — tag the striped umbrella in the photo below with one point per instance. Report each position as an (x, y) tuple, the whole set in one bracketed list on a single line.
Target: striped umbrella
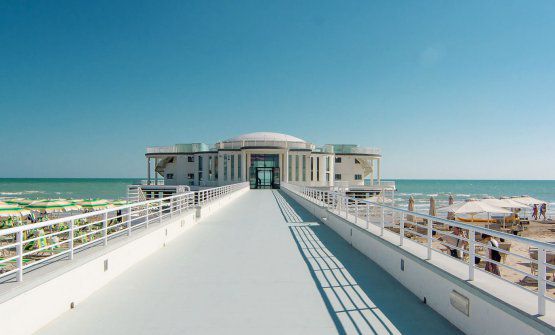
[(94, 204), (19, 201), (118, 203), (52, 205), (12, 210)]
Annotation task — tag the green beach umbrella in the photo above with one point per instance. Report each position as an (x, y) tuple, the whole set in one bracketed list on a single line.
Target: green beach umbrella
[(53, 205), (118, 203), (12, 210), (19, 201), (94, 204)]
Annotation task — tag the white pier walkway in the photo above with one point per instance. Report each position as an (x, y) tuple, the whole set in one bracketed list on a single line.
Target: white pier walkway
[(261, 265)]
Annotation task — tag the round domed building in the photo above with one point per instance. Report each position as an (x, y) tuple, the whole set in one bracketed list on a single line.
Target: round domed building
[(265, 160)]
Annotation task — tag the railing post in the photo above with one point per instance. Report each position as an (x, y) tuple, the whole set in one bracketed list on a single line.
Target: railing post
[(160, 210), (70, 240), (471, 253), (129, 211), (171, 207), (401, 229), (367, 216), (147, 214), (429, 238), (541, 280), (356, 211), (382, 221), (105, 228), (19, 250)]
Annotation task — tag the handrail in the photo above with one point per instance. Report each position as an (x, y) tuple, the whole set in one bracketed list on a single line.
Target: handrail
[(350, 209), (63, 235)]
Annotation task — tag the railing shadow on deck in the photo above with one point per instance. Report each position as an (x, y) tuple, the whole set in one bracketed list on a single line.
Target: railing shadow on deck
[(360, 296)]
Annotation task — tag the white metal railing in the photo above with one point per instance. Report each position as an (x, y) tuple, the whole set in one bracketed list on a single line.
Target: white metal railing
[(264, 143), (25, 247), (170, 149), (431, 232)]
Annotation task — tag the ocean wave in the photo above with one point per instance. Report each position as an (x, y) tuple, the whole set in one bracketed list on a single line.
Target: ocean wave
[(22, 192), (463, 195)]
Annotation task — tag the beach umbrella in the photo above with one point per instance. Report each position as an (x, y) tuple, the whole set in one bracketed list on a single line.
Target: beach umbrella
[(411, 208), (94, 204), (52, 205), (474, 207), (19, 201), (118, 203), (527, 200), (432, 211), (12, 210), (451, 215), (505, 203)]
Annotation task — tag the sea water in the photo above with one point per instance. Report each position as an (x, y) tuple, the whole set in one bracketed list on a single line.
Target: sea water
[(421, 190), (75, 188)]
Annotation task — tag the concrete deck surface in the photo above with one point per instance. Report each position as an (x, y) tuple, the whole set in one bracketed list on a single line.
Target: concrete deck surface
[(261, 265)]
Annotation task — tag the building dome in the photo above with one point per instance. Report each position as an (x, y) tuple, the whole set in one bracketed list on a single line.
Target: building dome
[(265, 136)]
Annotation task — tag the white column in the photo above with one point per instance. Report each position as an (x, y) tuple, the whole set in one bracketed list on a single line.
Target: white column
[(379, 171), (372, 172)]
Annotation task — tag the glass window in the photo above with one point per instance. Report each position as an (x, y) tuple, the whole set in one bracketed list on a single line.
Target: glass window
[(290, 167), (304, 167), (338, 159), (311, 168), (337, 176), (169, 176), (225, 167), (232, 157), (190, 158), (358, 177), (216, 167), (210, 168), (200, 176), (239, 167), (296, 167), (328, 163), (200, 163), (317, 168)]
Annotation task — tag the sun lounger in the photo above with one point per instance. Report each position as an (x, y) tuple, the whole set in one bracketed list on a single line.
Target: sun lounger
[(549, 258)]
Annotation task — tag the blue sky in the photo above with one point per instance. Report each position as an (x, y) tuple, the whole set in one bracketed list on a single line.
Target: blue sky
[(447, 89)]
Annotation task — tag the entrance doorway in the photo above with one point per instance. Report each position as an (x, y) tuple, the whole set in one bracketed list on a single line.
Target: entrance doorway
[(264, 171)]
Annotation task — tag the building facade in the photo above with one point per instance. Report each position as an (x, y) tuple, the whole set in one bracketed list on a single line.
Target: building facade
[(265, 160)]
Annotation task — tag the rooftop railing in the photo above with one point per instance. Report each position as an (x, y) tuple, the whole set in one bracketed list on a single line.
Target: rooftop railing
[(25, 248), (280, 144), (435, 234)]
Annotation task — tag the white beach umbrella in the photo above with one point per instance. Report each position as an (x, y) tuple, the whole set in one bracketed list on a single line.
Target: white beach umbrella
[(473, 207), (514, 204), (527, 200)]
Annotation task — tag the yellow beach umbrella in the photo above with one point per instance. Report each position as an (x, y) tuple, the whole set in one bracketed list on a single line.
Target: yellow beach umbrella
[(52, 206), (12, 210), (94, 204), (118, 203)]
